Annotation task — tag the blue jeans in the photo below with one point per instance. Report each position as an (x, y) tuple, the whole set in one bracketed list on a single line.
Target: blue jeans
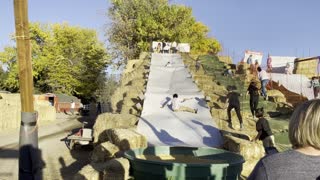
[(264, 89)]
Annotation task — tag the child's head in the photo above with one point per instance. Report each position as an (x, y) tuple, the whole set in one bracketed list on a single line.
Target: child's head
[(259, 112), (231, 88), (253, 83), (313, 78), (175, 95), (259, 69)]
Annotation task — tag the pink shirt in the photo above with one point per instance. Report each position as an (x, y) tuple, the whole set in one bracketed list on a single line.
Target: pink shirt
[(269, 61)]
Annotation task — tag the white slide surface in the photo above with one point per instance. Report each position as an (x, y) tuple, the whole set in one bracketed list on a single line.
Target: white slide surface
[(296, 83), (162, 126)]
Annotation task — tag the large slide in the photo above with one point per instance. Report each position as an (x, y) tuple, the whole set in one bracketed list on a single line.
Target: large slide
[(162, 126)]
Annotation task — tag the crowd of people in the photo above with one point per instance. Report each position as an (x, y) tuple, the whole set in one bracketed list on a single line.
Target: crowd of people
[(303, 161), (165, 47)]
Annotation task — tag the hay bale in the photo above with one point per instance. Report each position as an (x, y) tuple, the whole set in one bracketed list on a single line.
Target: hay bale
[(276, 96), (46, 113), (127, 139), (122, 93), (116, 169), (307, 68), (275, 92), (249, 150), (10, 113), (248, 166), (138, 83), (277, 99), (107, 121), (103, 152), (88, 173), (131, 65), (131, 110), (144, 55)]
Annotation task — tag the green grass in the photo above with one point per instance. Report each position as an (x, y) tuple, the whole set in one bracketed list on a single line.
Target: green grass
[(214, 67)]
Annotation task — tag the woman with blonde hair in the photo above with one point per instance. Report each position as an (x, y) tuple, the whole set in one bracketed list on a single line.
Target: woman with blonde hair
[(303, 161)]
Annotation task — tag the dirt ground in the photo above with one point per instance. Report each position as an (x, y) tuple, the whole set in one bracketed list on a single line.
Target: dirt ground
[(58, 161)]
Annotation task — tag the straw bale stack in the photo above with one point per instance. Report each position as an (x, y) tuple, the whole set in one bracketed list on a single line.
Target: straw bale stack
[(249, 150), (276, 96), (103, 152), (116, 169), (131, 64), (46, 113), (138, 83), (10, 114), (107, 121), (125, 98), (144, 56), (88, 173), (126, 139), (307, 68), (248, 166)]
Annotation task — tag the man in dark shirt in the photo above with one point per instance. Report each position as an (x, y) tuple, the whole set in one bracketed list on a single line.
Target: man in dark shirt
[(234, 103), (254, 97)]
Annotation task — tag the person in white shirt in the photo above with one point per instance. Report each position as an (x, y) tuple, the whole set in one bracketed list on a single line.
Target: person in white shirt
[(72, 106), (264, 79), (177, 106), (174, 47), (166, 48)]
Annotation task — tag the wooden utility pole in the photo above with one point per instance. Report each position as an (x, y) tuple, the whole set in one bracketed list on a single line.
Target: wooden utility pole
[(29, 166)]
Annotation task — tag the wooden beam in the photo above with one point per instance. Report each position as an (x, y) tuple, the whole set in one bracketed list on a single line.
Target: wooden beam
[(24, 55)]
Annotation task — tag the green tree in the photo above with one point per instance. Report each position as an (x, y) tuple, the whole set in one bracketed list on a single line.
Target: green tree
[(65, 59), (136, 23)]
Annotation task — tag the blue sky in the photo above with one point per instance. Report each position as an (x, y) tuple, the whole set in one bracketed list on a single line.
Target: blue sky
[(280, 27), (84, 13)]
